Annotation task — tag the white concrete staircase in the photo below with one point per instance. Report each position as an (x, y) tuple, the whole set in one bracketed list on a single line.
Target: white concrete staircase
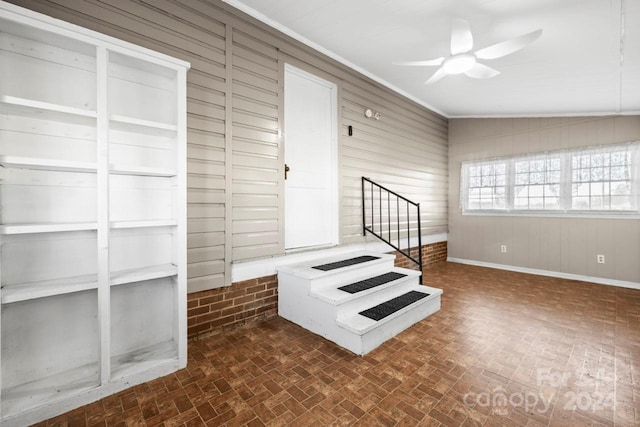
[(311, 298)]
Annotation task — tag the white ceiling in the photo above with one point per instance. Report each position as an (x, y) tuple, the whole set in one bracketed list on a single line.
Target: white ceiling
[(586, 62)]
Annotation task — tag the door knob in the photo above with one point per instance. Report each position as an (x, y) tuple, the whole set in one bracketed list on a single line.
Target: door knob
[(286, 170)]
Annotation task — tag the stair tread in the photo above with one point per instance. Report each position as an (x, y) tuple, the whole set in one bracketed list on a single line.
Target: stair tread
[(393, 305), (359, 324), (332, 294), (371, 282), (345, 263), (377, 263)]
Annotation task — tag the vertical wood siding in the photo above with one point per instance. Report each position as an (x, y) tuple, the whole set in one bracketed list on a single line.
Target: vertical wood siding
[(234, 89), (256, 162)]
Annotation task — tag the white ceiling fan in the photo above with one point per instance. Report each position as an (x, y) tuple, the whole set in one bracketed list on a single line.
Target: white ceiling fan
[(463, 61)]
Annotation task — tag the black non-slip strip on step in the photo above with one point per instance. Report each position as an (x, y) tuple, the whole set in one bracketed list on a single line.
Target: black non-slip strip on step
[(387, 308), (345, 263), (371, 282)]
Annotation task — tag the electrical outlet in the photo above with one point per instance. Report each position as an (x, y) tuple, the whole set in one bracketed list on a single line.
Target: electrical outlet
[(503, 249), (600, 259)]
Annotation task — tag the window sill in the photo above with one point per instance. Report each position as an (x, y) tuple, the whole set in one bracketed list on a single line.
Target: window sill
[(556, 214)]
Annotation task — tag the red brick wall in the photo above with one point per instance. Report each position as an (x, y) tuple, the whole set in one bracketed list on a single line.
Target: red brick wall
[(257, 299), (232, 306), (432, 253)]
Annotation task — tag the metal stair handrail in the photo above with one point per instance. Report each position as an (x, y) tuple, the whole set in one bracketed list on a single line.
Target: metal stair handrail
[(380, 233)]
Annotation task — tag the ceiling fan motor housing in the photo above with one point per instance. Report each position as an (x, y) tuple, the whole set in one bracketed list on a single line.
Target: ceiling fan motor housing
[(459, 64)]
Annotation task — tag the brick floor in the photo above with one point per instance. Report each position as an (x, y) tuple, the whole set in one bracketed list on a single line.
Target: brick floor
[(507, 349)]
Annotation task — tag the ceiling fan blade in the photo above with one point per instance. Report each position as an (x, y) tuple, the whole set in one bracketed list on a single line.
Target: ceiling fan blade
[(461, 38), (436, 76), (481, 71), (508, 47), (427, 63)]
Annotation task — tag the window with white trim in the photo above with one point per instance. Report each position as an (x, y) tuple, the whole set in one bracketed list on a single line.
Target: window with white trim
[(592, 180)]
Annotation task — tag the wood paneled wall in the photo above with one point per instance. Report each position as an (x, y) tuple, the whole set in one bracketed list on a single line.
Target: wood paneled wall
[(235, 164), (566, 245)]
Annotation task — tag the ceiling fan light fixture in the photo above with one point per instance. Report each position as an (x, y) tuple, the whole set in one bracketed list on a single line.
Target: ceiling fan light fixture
[(458, 64), (464, 60)]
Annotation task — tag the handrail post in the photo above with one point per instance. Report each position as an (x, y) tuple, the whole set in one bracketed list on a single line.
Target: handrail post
[(398, 217), (364, 221), (420, 242), (380, 211), (408, 231), (389, 213)]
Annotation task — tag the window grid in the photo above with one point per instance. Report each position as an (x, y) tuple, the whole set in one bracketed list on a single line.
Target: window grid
[(487, 186), (597, 180), (601, 181), (537, 184)]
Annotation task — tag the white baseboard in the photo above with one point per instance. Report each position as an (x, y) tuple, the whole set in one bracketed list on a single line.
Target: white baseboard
[(267, 266), (558, 274)]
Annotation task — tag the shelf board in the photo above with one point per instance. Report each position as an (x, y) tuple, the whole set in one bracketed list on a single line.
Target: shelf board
[(81, 226), (143, 126), (144, 224), (142, 171), (46, 228), (47, 288), (47, 164), (124, 277), (141, 360), (44, 391), (46, 110), (75, 166)]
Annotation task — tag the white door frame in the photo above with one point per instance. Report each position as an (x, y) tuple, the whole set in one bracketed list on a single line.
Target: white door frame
[(334, 208)]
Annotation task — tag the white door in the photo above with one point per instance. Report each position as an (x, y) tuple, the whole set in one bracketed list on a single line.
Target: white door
[(310, 153)]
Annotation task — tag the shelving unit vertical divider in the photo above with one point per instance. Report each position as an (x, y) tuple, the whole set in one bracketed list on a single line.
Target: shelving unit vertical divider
[(104, 291), (1, 248), (181, 229)]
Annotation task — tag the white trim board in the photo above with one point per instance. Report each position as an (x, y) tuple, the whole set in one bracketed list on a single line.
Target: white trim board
[(548, 273), (267, 266)]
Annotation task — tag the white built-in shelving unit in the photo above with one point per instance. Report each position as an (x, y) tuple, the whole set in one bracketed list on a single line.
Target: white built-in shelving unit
[(93, 215)]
